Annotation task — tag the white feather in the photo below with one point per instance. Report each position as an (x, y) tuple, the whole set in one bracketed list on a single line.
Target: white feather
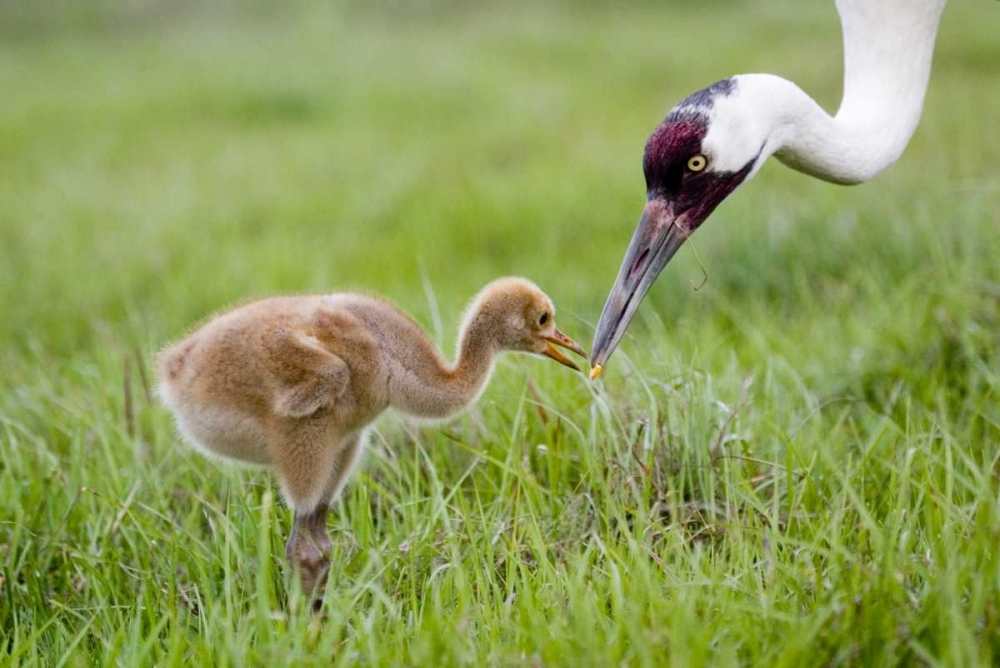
[(888, 47)]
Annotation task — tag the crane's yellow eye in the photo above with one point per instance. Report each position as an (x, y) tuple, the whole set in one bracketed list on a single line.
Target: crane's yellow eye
[(698, 162)]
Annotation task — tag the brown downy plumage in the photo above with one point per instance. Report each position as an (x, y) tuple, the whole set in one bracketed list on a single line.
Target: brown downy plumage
[(292, 382)]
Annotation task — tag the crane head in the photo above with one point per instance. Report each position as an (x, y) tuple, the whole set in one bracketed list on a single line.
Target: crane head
[(699, 155)]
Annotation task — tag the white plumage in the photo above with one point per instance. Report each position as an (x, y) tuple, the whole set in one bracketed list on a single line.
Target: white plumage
[(729, 129)]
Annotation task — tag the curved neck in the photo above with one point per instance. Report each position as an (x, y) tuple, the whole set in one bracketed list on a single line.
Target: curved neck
[(888, 47), (424, 384)]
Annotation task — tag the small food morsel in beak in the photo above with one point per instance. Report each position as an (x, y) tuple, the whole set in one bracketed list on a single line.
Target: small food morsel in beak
[(595, 371), (563, 341)]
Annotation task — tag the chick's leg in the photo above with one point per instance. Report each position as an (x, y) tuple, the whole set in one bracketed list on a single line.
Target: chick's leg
[(343, 466), (304, 452), (308, 561)]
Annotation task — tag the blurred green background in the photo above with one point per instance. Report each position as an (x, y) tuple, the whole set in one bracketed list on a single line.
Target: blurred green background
[(162, 160)]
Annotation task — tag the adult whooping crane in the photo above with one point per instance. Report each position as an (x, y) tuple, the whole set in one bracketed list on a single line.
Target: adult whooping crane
[(718, 138)]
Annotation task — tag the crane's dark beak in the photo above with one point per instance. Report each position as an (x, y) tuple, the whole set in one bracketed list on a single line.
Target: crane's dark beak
[(656, 239), (563, 341)]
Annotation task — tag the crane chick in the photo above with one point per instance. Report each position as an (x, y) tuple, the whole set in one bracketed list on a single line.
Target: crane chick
[(292, 383)]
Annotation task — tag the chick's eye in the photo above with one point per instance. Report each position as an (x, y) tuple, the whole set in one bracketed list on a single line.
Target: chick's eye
[(544, 319), (697, 163)]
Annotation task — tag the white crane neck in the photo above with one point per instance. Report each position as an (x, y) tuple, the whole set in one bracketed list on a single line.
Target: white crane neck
[(888, 47)]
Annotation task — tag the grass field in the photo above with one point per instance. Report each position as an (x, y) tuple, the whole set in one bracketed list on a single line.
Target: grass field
[(796, 464)]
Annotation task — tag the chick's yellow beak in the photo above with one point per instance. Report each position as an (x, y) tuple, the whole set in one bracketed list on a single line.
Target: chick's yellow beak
[(563, 341)]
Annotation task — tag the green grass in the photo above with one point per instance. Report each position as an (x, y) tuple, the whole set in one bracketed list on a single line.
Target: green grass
[(794, 465)]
